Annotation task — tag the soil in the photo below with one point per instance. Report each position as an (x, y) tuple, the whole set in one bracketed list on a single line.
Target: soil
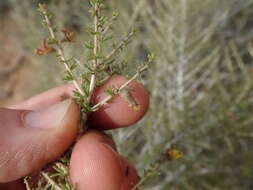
[(14, 64)]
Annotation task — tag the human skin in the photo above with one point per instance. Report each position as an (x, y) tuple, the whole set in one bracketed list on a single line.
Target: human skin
[(39, 130), (118, 113)]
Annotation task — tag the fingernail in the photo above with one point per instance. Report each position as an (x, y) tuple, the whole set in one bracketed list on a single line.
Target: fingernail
[(49, 117)]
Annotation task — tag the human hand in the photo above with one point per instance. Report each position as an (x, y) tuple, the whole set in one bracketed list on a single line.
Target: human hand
[(31, 139)]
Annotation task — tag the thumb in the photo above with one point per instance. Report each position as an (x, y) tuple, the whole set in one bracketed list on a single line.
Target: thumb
[(31, 139)]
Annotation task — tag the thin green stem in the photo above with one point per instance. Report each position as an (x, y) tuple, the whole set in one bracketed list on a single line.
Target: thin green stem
[(121, 45)]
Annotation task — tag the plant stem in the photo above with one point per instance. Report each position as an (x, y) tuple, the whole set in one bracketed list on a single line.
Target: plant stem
[(60, 52), (153, 172), (51, 181), (105, 30), (133, 78), (95, 51), (103, 102), (120, 46), (122, 87), (27, 184)]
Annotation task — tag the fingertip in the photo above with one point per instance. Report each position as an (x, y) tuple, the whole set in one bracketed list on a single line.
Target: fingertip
[(131, 177), (96, 165), (119, 112), (100, 136)]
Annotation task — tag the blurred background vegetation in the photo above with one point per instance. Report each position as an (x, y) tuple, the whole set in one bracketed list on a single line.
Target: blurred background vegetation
[(200, 86)]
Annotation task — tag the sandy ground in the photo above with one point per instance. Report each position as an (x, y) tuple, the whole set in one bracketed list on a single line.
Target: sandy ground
[(14, 66)]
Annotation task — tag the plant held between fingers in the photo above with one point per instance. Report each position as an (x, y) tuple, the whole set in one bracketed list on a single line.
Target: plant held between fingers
[(100, 76)]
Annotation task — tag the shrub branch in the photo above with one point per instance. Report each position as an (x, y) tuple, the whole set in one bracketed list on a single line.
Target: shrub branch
[(59, 47), (51, 181), (95, 50)]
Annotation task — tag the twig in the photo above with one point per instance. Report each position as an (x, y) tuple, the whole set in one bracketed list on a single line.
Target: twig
[(60, 50), (133, 78), (95, 51), (103, 102), (51, 181), (152, 172), (122, 87), (27, 184), (105, 30), (120, 46)]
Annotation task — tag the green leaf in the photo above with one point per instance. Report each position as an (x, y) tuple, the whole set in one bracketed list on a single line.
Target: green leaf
[(92, 3), (89, 45), (73, 66), (109, 91), (106, 38), (52, 41), (68, 77), (115, 15)]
